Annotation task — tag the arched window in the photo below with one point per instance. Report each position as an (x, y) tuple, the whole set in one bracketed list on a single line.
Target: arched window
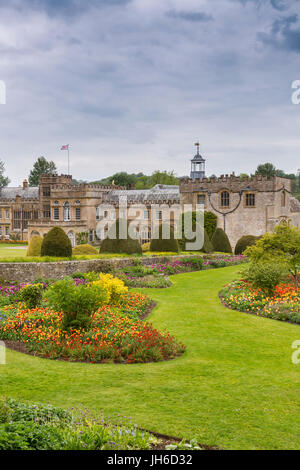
[(283, 199), (225, 199), (67, 212)]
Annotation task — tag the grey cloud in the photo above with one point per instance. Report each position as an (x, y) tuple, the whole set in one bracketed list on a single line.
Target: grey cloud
[(280, 5), (284, 34), (197, 16), (148, 82)]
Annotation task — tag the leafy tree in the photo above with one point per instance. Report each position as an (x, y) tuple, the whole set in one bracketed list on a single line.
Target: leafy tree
[(41, 167), (4, 181), (281, 246), (139, 180), (266, 169), (163, 177)]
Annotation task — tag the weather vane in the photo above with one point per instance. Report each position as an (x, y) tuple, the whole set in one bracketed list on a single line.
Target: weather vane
[(197, 145)]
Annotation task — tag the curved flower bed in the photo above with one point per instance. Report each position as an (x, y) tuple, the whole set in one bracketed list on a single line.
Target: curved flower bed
[(112, 335), (283, 304)]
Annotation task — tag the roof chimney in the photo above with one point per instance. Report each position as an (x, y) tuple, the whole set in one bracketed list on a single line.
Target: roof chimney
[(25, 184)]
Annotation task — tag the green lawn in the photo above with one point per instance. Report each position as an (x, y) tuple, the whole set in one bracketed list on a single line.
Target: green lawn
[(12, 251), (235, 387)]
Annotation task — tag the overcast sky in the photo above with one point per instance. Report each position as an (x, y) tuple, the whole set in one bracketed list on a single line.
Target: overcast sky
[(131, 85)]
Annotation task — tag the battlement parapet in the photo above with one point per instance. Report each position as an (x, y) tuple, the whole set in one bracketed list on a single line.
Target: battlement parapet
[(235, 183)]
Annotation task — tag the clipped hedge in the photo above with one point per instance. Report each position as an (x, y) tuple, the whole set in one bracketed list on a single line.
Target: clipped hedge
[(35, 246), (85, 249), (220, 241), (207, 245), (117, 245), (158, 243), (243, 243), (210, 224), (56, 243)]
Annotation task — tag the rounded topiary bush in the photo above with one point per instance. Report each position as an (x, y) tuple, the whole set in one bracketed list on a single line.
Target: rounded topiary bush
[(158, 243), (113, 244), (85, 249), (35, 246), (243, 243), (221, 242), (56, 243)]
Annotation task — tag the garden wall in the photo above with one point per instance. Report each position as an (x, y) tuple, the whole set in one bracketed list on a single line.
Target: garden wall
[(29, 272)]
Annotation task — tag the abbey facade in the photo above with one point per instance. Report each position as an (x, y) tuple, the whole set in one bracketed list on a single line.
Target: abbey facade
[(244, 206)]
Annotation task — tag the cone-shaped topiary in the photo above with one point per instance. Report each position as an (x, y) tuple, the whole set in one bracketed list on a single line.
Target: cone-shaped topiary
[(35, 245), (207, 245), (210, 224), (85, 249), (56, 243), (243, 243), (113, 243), (220, 241), (161, 244)]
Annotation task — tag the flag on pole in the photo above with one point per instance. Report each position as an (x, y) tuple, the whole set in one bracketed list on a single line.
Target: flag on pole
[(66, 147)]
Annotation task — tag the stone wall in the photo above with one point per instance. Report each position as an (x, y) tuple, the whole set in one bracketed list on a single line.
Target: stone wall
[(272, 203), (29, 272)]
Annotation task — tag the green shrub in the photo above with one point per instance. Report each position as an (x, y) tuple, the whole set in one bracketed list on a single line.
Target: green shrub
[(31, 295), (243, 243), (5, 411), (164, 245), (78, 275), (56, 243), (29, 436), (220, 241), (210, 223), (265, 276), (77, 303), (85, 250), (207, 245), (40, 413), (35, 246), (113, 244), (196, 263)]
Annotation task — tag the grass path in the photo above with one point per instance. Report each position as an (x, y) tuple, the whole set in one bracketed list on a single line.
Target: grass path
[(235, 387)]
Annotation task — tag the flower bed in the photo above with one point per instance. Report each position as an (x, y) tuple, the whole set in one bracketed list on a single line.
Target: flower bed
[(283, 304), (45, 427), (26, 426), (157, 274), (115, 334)]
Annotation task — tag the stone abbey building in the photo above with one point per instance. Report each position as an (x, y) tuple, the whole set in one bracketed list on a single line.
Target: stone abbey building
[(244, 206)]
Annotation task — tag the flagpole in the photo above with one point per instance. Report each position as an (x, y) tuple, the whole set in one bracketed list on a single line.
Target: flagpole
[(68, 161)]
